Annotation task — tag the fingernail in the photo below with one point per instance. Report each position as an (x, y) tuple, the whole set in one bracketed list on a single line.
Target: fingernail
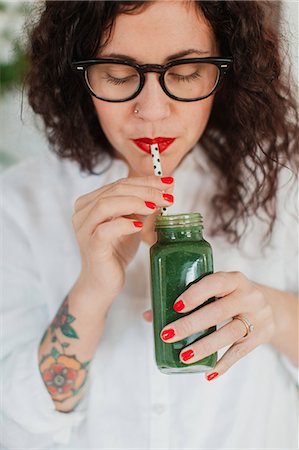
[(151, 205), (167, 180), (168, 197), (179, 305), (187, 355), (212, 375), (167, 334), (138, 224)]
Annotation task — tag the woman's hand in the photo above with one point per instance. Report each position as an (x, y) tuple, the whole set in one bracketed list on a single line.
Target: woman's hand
[(236, 295), (107, 221)]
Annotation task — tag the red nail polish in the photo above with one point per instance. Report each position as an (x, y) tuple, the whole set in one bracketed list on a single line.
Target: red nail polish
[(212, 375), (167, 334), (167, 180), (138, 224), (151, 205), (179, 305), (168, 197), (187, 355)]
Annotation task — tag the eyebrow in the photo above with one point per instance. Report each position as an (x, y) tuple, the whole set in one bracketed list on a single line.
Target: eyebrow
[(177, 55)]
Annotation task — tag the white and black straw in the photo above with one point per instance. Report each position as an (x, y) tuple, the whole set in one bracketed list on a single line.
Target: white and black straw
[(157, 165)]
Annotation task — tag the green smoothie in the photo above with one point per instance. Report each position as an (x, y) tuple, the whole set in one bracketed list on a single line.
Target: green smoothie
[(179, 258)]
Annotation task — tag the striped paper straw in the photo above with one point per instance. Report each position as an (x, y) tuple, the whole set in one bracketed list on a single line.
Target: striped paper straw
[(157, 166)]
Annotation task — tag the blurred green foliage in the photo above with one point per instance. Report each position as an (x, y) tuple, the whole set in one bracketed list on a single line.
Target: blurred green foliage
[(12, 73), (12, 69)]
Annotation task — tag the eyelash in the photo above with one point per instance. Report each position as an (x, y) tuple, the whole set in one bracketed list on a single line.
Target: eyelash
[(117, 81), (120, 81), (187, 78)]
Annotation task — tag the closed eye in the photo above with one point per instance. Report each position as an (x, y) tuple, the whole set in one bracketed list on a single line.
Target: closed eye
[(119, 81), (186, 78)]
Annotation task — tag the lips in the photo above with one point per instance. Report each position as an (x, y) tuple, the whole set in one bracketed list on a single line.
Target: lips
[(144, 143)]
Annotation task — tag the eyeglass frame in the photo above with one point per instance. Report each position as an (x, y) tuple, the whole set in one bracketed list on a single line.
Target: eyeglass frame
[(223, 64)]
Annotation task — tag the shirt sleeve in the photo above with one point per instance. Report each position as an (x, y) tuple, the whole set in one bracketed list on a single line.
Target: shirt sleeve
[(29, 417)]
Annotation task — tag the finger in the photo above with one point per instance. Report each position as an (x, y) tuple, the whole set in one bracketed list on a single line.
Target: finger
[(231, 356), (107, 209), (218, 284), (109, 231), (148, 315), (209, 315), (145, 193), (206, 346), (159, 183)]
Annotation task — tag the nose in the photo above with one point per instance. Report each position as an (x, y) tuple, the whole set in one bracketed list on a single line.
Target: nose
[(152, 102)]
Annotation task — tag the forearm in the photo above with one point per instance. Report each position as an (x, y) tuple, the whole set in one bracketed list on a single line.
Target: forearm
[(69, 345), (285, 311)]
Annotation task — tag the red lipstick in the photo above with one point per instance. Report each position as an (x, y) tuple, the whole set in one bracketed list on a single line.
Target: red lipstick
[(144, 143)]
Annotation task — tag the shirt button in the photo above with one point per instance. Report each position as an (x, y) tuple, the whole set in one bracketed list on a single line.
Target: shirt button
[(158, 408)]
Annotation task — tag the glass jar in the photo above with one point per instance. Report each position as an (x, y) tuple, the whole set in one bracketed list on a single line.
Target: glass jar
[(179, 258)]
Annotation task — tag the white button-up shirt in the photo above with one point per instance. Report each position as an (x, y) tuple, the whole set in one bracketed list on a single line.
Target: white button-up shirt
[(129, 404)]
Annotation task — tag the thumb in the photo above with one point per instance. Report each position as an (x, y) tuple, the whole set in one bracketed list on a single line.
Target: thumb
[(148, 315)]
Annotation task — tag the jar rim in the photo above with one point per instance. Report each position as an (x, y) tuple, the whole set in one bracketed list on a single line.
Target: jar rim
[(179, 220)]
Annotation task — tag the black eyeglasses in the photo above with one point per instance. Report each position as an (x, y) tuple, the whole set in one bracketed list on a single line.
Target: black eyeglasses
[(185, 80)]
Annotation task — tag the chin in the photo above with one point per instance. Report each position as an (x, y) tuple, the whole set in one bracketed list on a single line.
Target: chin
[(144, 169), (170, 165), (144, 166)]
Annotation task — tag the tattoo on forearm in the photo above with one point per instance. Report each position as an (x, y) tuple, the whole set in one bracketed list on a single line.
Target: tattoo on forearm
[(62, 321), (63, 375)]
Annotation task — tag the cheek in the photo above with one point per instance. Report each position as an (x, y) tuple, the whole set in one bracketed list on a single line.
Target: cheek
[(103, 112), (110, 116), (199, 115)]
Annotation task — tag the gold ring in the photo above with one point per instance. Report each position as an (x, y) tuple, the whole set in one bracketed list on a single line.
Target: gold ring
[(248, 325)]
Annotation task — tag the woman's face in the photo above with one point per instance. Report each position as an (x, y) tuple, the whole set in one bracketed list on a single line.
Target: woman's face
[(162, 30)]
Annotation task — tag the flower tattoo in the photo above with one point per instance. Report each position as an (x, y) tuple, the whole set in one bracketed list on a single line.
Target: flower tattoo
[(64, 376), (62, 321)]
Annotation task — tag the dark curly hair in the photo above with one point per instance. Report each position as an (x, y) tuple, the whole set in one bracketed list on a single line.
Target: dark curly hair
[(253, 127)]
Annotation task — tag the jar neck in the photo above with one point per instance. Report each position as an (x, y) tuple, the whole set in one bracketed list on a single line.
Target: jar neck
[(179, 234), (179, 227)]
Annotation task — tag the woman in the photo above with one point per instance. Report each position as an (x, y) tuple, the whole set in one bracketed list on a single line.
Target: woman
[(225, 120)]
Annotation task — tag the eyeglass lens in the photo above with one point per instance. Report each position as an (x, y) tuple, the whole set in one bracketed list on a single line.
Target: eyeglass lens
[(119, 81)]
